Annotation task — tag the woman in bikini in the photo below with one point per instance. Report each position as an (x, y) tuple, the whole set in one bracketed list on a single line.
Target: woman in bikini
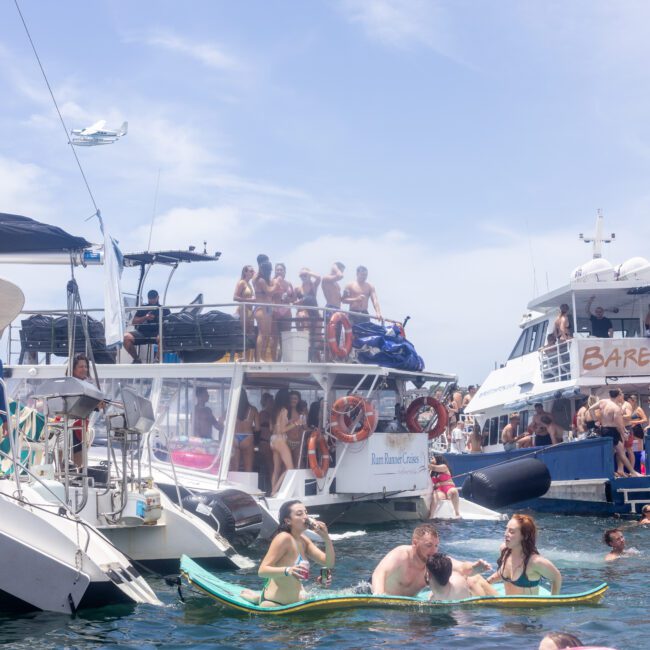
[(263, 314), (294, 434), (636, 425), (280, 424), (244, 293), (286, 564), (521, 567), (242, 446), (282, 294), (443, 486)]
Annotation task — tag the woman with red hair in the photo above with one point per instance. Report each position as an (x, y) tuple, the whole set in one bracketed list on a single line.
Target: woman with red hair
[(520, 566)]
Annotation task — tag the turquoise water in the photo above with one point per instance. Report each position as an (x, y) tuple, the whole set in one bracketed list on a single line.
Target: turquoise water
[(573, 543)]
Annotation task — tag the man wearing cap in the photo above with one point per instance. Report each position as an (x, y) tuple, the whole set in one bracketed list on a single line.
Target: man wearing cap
[(146, 325), (601, 326)]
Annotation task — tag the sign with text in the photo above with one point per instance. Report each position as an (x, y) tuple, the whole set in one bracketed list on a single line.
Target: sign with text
[(614, 357), (385, 461)]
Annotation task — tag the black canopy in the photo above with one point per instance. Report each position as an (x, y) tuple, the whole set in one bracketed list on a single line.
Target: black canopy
[(24, 235), (167, 257)]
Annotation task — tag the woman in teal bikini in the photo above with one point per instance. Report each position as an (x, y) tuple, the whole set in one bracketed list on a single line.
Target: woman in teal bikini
[(286, 564), (521, 567)]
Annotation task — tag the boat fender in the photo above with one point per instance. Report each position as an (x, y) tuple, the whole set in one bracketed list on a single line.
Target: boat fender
[(234, 514), (339, 319), (413, 411), (502, 485), (316, 444), (345, 406)]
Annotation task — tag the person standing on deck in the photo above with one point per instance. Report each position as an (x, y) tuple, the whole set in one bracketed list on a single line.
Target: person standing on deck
[(332, 288), (601, 326), (562, 325), (612, 426), (359, 293)]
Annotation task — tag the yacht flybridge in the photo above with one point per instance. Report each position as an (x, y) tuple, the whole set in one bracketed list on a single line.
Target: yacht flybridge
[(562, 374)]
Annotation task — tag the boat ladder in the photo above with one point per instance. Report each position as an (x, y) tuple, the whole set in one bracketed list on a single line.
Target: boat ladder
[(634, 502)]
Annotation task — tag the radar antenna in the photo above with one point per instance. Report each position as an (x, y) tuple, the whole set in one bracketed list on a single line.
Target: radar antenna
[(598, 240)]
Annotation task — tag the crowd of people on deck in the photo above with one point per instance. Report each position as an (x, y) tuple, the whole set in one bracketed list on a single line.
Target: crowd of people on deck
[(270, 439), (419, 568), (618, 416), (268, 301)]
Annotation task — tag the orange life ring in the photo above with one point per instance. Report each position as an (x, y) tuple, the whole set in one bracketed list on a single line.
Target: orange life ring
[(340, 352), (317, 440), (342, 407), (413, 411)]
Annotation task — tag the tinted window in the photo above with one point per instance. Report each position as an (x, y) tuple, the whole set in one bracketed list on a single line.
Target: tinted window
[(522, 344)]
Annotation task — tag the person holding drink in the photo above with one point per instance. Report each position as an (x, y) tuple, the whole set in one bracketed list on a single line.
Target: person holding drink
[(286, 565)]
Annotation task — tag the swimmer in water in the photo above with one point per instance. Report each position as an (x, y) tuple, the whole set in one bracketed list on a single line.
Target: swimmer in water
[(447, 584), (286, 564), (615, 539), (559, 641), (645, 516)]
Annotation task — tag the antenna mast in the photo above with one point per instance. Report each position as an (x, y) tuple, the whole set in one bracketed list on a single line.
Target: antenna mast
[(597, 240)]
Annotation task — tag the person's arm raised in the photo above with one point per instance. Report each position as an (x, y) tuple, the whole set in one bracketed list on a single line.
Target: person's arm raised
[(327, 558)]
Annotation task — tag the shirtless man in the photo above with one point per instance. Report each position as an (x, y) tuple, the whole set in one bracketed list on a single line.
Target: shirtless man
[(562, 327), (647, 322), (536, 420), (358, 293), (204, 420), (447, 584), (471, 391), (401, 571), (331, 287), (616, 541), (509, 433), (612, 426)]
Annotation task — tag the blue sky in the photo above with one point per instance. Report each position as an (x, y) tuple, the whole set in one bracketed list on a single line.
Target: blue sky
[(455, 148)]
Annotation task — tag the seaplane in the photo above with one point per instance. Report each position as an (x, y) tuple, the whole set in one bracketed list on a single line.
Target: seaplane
[(97, 134)]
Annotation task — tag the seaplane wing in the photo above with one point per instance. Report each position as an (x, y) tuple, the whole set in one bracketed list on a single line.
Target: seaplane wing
[(97, 134)]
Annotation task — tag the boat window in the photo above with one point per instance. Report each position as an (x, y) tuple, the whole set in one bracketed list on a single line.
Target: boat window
[(522, 344), (625, 327), (537, 337), (503, 421), (523, 424), (494, 431)]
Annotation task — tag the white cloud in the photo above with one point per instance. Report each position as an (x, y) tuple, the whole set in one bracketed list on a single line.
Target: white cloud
[(403, 23), (25, 188), (208, 54)]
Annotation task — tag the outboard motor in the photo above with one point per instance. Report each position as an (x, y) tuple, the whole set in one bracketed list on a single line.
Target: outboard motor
[(232, 513), (502, 485)]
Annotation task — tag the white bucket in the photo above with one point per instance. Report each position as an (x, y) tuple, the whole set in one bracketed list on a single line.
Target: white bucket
[(133, 514), (295, 347)]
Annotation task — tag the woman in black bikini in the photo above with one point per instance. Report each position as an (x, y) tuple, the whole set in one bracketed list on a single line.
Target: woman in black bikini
[(520, 557), (287, 562), (243, 447)]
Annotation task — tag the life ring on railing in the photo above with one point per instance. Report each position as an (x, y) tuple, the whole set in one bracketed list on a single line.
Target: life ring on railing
[(339, 318), (413, 411), (317, 441), (345, 406)]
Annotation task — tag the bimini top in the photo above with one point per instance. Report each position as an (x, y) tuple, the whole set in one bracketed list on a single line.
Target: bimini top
[(170, 258), (24, 235)]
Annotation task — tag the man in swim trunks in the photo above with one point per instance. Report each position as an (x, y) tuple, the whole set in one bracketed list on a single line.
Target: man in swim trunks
[(447, 584), (401, 571), (331, 287), (509, 433), (357, 294), (613, 426), (615, 539)]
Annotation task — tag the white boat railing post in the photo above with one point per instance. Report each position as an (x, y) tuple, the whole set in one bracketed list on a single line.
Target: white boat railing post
[(231, 421)]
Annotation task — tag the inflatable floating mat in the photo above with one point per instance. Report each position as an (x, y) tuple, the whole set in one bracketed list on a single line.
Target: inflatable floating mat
[(228, 594)]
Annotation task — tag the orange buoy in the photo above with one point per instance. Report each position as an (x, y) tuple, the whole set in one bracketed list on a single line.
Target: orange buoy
[(317, 442), (414, 409)]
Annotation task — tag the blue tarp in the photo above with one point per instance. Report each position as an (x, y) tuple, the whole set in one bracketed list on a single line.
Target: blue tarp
[(385, 346)]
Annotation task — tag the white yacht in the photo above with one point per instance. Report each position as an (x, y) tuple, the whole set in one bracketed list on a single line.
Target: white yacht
[(561, 375)]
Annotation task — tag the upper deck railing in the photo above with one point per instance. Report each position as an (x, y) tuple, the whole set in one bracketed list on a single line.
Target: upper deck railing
[(595, 358), (193, 333)]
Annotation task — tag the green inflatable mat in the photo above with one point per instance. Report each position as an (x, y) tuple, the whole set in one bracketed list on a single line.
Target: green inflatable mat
[(228, 594)]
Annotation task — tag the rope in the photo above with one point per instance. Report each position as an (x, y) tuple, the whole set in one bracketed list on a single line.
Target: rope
[(65, 128)]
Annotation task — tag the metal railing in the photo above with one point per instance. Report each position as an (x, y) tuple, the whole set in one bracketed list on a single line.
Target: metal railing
[(555, 362), (210, 332)]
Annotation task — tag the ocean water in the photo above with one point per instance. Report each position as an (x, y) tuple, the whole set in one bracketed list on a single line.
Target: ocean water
[(621, 621)]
